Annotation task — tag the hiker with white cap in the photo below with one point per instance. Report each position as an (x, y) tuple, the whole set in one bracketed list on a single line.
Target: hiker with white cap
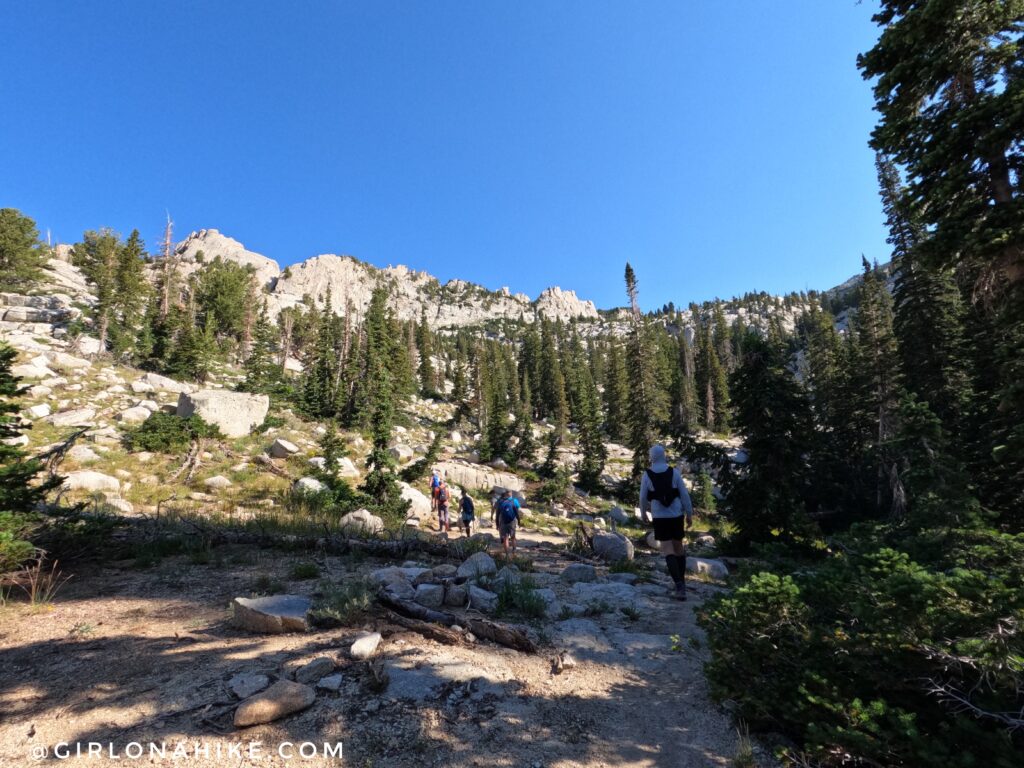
[(664, 497)]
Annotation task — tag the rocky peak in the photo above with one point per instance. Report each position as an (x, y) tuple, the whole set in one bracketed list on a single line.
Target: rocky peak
[(556, 304), (213, 244)]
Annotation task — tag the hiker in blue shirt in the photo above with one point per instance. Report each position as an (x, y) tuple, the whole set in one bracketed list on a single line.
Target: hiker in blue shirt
[(467, 513), (664, 497), (506, 512)]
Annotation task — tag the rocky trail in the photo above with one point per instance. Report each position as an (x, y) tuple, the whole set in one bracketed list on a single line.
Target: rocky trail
[(129, 655)]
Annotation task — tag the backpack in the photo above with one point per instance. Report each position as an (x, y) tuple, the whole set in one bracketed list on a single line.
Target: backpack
[(435, 482), (442, 494), (663, 491), (508, 509), (467, 506)]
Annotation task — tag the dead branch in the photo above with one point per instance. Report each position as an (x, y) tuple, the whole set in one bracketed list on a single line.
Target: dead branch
[(190, 458), (430, 631), (53, 457), (268, 464)]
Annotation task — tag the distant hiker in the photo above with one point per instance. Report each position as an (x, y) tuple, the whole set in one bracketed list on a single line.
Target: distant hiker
[(443, 497), (663, 496), (467, 513), (435, 483), (506, 511)]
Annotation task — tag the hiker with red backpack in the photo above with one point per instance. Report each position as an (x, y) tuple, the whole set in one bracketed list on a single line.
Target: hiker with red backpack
[(664, 498), (443, 496), (435, 482)]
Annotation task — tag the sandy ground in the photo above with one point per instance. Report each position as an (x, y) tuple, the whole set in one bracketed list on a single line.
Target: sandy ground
[(127, 655)]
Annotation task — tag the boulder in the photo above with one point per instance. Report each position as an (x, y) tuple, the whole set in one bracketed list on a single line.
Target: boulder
[(271, 615), (361, 522), (577, 572), (507, 576), (482, 599), (477, 565), (83, 454), (365, 646), (134, 415), (456, 595), (87, 480), (308, 485), (87, 345), (612, 547), (319, 667), (618, 514), (346, 468), (612, 593), (32, 372), (282, 449), (716, 569), (217, 482), (76, 417), (157, 382), (245, 684), (62, 361), (430, 595), (279, 700), (419, 504), (234, 413), (38, 411), (331, 683), (401, 452)]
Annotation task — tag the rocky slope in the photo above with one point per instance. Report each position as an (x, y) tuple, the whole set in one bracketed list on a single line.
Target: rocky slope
[(350, 281)]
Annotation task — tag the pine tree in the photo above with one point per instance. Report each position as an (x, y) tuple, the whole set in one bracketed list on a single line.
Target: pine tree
[(768, 502), (381, 483), (131, 294), (639, 411), (553, 400), (615, 393), (97, 256), (590, 438), (425, 349), (262, 373), (522, 428), (22, 255), (19, 494), (683, 395)]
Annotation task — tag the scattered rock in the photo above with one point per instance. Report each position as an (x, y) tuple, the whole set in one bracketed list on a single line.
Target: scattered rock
[(282, 449), (618, 514), (308, 485), (623, 578), (38, 411), (155, 381), (246, 684), (612, 547), (482, 599), (331, 683), (87, 480), (577, 572), (419, 504), (361, 522), (234, 413), (271, 615), (716, 569), (77, 417), (314, 670), (83, 454), (364, 647), (217, 482), (477, 565), (282, 698), (401, 452), (134, 415), (430, 595), (346, 468), (456, 595), (32, 372), (507, 576)]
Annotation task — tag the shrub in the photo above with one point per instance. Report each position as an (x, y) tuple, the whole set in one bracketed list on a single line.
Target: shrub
[(307, 570), (166, 433), (15, 548), (894, 651), (520, 598), (342, 604)]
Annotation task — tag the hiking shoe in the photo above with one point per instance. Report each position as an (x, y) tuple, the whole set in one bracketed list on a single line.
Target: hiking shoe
[(680, 591)]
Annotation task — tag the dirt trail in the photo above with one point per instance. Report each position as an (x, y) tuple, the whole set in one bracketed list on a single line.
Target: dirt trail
[(128, 655)]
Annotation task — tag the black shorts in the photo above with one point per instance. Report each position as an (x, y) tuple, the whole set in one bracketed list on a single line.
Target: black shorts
[(669, 528)]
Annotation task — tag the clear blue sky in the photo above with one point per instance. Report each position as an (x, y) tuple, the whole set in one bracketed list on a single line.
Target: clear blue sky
[(719, 145)]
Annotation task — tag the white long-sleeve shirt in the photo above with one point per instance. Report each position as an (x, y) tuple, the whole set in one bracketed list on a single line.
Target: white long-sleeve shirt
[(680, 505)]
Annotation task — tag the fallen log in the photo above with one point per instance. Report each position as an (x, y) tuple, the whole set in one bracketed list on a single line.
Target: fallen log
[(502, 634), (430, 631)]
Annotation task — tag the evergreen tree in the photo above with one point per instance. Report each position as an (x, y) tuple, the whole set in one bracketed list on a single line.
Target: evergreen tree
[(425, 349), (381, 483), (590, 438), (683, 395), (639, 411), (554, 403), (225, 292), (22, 255), (768, 501), (131, 294), (522, 428), (97, 256), (615, 393), (262, 373), (19, 494)]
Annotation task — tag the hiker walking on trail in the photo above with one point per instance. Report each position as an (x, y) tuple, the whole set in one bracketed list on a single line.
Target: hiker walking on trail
[(467, 513), (664, 497), (506, 511), (442, 497), (435, 483)]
